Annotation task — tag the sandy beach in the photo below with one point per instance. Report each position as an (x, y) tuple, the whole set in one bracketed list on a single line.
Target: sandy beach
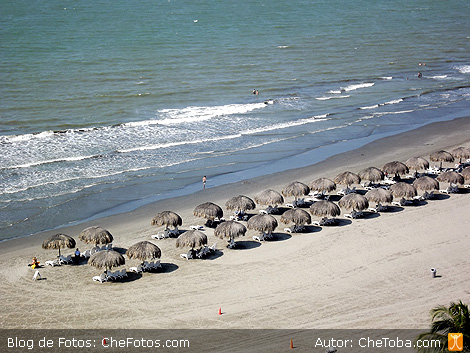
[(366, 273)]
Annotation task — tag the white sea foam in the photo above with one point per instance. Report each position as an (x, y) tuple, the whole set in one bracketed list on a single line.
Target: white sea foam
[(49, 161), (285, 125), (325, 98), (438, 77), (357, 86), (464, 69), (370, 107), (197, 114), (395, 101), (386, 78)]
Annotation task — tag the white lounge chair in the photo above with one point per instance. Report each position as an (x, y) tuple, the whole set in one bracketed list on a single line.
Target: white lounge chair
[(137, 269), (86, 254), (157, 265), (36, 275), (65, 259), (184, 256), (109, 246), (196, 227), (101, 278), (52, 263)]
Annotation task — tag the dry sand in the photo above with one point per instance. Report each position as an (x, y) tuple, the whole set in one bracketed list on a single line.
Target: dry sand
[(367, 273)]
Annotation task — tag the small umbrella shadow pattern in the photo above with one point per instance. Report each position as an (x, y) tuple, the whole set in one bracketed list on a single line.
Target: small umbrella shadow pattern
[(144, 250), (59, 241), (106, 259), (95, 235), (167, 219)]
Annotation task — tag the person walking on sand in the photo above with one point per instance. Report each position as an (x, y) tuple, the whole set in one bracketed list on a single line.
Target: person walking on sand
[(204, 179)]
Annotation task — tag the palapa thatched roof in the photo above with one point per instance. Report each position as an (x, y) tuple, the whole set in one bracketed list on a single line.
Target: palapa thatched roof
[(466, 173), (395, 167), (417, 163), (347, 178), (461, 152), (240, 203), (58, 241), (441, 156), (269, 197), (106, 259), (378, 195), (262, 223), (402, 189), (451, 177), (372, 174), (325, 208), (297, 216), (323, 185), (144, 250), (230, 230), (95, 235), (296, 189), (426, 183), (208, 210), (167, 219), (192, 239), (354, 201)]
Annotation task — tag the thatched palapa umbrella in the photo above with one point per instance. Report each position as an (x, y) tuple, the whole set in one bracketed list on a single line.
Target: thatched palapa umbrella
[(209, 211), (59, 241), (144, 250), (372, 174), (297, 216), (262, 223), (95, 235), (192, 239), (240, 203), (322, 185), (269, 197), (347, 178), (461, 152), (229, 230), (441, 156), (395, 167), (451, 177), (296, 189), (106, 259), (379, 195), (402, 189), (167, 219), (354, 201), (466, 173), (426, 183), (417, 163), (325, 208)]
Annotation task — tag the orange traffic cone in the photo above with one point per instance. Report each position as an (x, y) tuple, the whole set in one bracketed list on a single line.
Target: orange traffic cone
[(291, 344), (220, 311)]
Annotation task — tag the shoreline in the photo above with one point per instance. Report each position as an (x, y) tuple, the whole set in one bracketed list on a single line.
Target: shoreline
[(290, 283)]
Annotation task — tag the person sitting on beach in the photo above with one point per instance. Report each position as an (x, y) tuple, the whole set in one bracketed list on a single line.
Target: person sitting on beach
[(34, 263)]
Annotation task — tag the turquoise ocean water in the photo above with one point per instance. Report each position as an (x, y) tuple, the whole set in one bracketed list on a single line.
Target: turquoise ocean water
[(106, 105)]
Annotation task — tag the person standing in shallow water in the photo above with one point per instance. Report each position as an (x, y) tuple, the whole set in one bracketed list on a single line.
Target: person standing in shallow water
[(204, 179)]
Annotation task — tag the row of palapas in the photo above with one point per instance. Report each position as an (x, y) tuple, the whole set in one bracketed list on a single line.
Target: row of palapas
[(265, 223)]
